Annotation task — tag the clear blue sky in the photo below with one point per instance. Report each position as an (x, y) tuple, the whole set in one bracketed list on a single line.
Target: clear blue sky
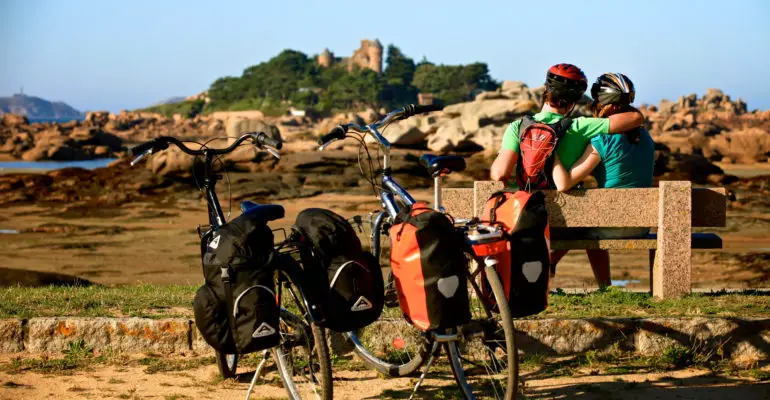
[(128, 54)]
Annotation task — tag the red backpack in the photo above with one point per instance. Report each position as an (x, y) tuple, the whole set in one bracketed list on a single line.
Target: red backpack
[(537, 142)]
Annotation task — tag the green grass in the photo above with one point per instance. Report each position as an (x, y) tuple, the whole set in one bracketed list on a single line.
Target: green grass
[(615, 302), (97, 301), (152, 301)]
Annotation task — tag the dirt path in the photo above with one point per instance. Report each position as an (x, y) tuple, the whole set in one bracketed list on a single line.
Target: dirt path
[(113, 382)]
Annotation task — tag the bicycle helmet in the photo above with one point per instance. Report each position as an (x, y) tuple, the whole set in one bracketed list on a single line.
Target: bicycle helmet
[(613, 88), (566, 81)]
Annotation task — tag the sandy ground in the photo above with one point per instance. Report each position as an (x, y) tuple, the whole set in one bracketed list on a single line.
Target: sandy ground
[(115, 382), (157, 243)]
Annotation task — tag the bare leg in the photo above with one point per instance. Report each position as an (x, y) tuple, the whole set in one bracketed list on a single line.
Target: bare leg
[(556, 256), (600, 263)]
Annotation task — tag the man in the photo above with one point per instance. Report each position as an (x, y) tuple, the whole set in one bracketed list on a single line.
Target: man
[(564, 86)]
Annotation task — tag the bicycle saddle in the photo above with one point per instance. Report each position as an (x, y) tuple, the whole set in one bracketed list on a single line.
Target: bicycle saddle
[(266, 212), (437, 165)]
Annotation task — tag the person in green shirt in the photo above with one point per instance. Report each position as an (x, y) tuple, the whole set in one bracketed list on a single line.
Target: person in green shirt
[(617, 161), (565, 84)]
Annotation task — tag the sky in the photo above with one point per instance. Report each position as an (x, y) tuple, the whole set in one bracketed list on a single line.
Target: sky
[(113, 55)]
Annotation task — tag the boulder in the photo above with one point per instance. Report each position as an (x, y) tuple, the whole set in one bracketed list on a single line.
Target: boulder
[(516, 91), (713, 96), (239, 126), (682, 119), (488, 139), (742, 146), (489, 95), (403, 133), (447, 137), (477, 114), (99, 118), (172, 162), (677, 166), (11, 120)]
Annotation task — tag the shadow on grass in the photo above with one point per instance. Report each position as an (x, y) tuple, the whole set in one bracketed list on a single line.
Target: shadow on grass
[(22, 277)]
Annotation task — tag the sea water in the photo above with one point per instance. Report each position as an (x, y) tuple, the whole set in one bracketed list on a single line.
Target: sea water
[(52, 165)]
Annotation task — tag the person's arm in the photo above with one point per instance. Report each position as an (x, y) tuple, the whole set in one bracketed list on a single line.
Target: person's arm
[(618, 123), (565, 180), (503, 166), (625, 121), (505, 163)]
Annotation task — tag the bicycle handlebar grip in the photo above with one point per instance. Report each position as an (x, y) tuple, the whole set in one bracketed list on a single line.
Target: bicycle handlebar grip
[(263, 139), (427, 109), (141, 148), (412, 109), (337, 133)]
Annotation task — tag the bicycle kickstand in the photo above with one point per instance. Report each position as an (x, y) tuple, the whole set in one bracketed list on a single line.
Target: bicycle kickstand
[(257, 373), (433, 353)]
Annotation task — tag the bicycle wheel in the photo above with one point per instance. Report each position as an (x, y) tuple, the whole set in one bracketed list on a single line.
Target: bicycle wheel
[(302, 359), (389, 346), (303, 356), (227, 364), (485, 361)]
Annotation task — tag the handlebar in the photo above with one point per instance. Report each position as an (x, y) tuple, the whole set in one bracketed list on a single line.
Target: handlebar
[(162, 142), (402, 113)]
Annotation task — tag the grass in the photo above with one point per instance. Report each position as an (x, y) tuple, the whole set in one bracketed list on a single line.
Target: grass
[(153, 301)]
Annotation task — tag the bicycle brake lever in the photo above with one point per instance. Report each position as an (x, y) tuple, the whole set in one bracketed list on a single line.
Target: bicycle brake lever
[(273, 152), (325, 145), (140, 157)]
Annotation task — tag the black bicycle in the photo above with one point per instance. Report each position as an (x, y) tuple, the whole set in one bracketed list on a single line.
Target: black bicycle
[(302, 356), (482, 354)]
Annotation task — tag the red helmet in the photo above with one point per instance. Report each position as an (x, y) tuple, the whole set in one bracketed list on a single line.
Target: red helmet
[(566, 81)]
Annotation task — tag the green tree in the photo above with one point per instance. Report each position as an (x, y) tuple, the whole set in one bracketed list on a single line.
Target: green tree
[(359, 89), (453, 83), (398, 76)]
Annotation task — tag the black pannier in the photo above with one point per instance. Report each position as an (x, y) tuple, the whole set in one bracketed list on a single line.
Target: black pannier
[(236, 310), (345, 280)]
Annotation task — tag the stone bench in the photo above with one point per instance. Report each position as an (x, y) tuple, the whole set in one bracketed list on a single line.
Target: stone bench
[(674, 208)]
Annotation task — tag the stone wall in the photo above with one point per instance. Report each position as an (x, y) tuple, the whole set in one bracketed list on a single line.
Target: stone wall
[(742, 340)]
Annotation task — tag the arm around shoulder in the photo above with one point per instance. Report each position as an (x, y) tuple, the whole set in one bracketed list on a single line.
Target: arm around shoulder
[(625, 121)]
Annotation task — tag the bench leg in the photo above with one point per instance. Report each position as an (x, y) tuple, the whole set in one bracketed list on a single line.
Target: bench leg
[(652, 265), (671, 273)]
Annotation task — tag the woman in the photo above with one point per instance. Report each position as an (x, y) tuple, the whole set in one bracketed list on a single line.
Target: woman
[(617, 161)]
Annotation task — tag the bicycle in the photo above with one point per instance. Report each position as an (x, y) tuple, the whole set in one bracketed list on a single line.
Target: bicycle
[(492, 323), (299, 333)]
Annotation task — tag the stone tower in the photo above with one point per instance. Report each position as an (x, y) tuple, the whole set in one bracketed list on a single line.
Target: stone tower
[(326, 59), (369, 55)]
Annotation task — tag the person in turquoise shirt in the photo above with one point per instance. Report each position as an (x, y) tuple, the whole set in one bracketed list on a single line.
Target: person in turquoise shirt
[(565, 84), (617, 161)]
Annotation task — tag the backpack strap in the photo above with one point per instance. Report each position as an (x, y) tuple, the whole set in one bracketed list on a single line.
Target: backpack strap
[(526, 122), (561, 127)]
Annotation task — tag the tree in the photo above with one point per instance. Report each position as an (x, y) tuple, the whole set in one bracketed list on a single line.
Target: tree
[(453, 83), (359, 89), (398, 78), (400, 69)]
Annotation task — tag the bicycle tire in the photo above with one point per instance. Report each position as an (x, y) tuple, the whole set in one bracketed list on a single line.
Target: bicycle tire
[(453, 352), (227, 364), (324, 373), (366, 355)]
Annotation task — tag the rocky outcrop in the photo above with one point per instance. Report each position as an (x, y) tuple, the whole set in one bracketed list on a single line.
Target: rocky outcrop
[(713, 126), (57, 142)]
